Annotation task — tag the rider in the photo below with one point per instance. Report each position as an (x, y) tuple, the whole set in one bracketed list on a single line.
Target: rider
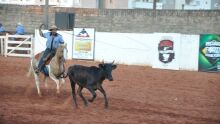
[(53, 40)]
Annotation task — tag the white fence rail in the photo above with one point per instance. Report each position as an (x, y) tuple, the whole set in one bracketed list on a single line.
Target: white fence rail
[(17, 45), (2, 41)]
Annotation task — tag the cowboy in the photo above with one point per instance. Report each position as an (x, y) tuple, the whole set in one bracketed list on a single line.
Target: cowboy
[(53, 41), (19, 29)]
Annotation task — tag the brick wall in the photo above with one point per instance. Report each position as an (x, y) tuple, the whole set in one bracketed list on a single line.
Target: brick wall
[(117, 20)]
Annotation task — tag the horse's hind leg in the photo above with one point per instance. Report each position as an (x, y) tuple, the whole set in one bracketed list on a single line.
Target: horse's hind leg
[(29, 71), (37, 82), (46, 83)]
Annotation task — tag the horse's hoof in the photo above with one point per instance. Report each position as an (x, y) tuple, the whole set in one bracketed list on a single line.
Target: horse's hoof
[(40, 95), (58, 92)]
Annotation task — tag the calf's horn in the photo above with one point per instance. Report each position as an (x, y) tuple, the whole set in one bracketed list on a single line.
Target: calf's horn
[(113, 61)]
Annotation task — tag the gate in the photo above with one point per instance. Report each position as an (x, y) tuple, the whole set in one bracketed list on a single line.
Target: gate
[(18, 45)]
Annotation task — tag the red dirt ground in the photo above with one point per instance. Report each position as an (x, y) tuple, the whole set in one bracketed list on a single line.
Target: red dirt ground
[(138, 95)]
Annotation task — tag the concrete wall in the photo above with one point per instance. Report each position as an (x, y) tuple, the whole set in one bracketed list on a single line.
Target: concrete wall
[(117, 20)]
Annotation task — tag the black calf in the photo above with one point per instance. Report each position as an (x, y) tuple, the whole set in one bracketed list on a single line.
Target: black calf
[(90, 78)]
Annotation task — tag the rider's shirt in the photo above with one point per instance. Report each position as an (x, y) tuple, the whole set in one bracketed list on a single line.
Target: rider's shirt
[(53, 41)]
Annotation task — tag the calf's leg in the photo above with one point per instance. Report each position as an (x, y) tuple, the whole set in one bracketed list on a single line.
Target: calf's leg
[(93, 94), (73, 84), (79, 91), (100, 88)]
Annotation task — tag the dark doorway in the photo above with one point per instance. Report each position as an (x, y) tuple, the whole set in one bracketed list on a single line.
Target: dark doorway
[(64, 21)]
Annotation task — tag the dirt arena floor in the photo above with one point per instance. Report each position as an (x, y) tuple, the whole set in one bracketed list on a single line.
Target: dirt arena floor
[(138, 95)]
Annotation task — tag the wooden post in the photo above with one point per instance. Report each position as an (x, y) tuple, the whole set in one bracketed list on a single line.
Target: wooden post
[(45, 19)]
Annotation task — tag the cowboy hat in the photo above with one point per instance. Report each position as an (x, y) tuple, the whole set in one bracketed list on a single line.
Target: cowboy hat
[(53, 27)]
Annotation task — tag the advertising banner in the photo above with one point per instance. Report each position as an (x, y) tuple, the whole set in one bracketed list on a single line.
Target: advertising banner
[(83, 43), (209, 53), (166, 51)]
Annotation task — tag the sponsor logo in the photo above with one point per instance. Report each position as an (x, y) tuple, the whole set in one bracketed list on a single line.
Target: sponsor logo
[(83, 33), (212, 49), (166, 52), (83, 41)]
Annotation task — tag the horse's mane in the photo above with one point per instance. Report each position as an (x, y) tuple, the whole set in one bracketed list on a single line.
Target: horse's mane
[(57, 62)]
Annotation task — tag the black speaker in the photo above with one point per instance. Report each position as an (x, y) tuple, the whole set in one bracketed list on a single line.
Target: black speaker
[(64, 21)]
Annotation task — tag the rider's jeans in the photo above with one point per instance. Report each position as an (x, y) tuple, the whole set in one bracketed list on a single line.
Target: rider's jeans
[(41, 65)]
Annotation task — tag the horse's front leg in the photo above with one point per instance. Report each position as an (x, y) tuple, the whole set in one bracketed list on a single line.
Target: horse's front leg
[(54, 78), (56, 81), (58, 86), (62, 81)]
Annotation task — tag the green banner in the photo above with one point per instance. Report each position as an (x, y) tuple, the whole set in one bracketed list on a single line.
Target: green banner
[(209, 53)]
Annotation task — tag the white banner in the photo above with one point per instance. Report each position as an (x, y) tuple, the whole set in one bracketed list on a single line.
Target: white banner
[(189, 47), (125, 48), (83, 43), (166, 51)]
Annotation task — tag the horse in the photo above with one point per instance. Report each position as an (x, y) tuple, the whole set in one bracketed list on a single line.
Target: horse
[(55, 67)]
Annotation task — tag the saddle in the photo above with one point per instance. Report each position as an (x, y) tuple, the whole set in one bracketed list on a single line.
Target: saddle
[(46, 60)]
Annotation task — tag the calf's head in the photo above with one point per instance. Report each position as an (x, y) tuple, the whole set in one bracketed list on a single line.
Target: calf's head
[(107, 68)]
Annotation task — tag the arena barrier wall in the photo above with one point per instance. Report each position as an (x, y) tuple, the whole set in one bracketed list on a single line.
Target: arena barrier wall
[(134, 49)]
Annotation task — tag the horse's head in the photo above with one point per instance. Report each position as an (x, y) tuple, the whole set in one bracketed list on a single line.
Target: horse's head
[(60, 50)]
